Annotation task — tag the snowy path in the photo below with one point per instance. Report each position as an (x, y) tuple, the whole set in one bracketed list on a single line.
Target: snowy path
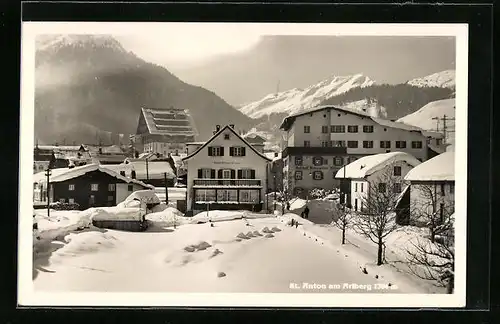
[(157, 262)]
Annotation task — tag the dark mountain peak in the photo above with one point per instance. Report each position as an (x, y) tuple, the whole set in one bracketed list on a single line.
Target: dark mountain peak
[(54, 42)]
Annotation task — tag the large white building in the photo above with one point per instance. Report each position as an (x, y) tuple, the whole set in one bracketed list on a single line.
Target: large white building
[(320, 141), (386, 171), (226, 172), (432, 186)]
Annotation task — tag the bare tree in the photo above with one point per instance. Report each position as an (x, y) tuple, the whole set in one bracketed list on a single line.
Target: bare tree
[(434, 261), (377, 217), (432, 211), (342, 218)]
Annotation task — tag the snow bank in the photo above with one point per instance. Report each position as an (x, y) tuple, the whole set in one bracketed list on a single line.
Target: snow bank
[(61, 222), (148, 196), (85, 242), (116, 213), (167, 217), (218, 216)]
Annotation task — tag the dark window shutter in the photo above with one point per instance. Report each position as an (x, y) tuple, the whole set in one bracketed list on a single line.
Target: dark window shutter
[(222, 151), (212, 173), (200, 173), (231, 151), (243, 151), (233, 174), (252, 174), (209, 151), (240, 174), (219, 173)]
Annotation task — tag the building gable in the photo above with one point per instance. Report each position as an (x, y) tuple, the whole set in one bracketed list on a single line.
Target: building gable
[(234, 138)]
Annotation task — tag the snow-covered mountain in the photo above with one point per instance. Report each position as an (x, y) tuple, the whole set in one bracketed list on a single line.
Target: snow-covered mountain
[(443, 79), (423, 117), (294, 100), (55, 42)]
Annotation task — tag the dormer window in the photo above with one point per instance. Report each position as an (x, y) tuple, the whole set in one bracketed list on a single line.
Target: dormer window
[(226, 136)]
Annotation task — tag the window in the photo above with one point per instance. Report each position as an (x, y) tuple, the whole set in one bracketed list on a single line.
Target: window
[(71, 187), (307, 143), (204, 195), (442, 190), (338, 143), (71, 200), (356, 187), (396, 188), (352, 144), (298, 160), (362, 186), (368, 129), (452, 188), (382, 187), (249, 196), (352, 128), (130, 187), (416, 144), (400, 144), (216, 151), (111, 187), (246, 174), (367, 144), (206, 174), (318, 175), (94, 187), (385, 144), (62, 200), (237, 151), (298, 175), (397, 171), (439, 141), (338, 161), (110, 198), (226, 174), (227, 195), (226, 136), (325, 143), (317, 160), (356, 204), (324, 129), (307, 129), (337, 129)]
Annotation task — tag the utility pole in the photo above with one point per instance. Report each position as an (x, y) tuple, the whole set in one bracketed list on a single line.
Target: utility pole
[(166, 187), (147, 170), (446, 129), (48, 173), (274, 185)]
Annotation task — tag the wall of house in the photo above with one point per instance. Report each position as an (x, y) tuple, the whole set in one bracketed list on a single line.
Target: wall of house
[(377, 177), (380, 133), (123, 191), (201, 160), (419, 200), (82, 190)]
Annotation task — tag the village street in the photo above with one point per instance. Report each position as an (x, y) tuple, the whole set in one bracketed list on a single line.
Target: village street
[(159, 260)]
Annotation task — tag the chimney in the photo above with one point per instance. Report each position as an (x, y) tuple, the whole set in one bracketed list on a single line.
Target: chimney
[(232, 126), (133, 174), (275, 154), (217, 128)]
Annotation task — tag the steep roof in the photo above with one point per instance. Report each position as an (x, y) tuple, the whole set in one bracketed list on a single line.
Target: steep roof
[(155, 169), (439, 168), (63, 174), (370, 164), (216, 135), (288, 121), (172, 121)]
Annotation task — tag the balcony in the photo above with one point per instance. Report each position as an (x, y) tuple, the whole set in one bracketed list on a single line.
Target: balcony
[(312, 150), (227, 182)]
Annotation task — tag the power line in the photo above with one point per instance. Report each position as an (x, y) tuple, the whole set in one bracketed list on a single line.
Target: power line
[(445, 129)]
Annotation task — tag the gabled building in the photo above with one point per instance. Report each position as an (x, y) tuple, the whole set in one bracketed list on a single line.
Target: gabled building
[(164, 131), (320, 141), (386, 170), (255, 140), (91, 185), (226, 172), (59, 156), (432, 187)]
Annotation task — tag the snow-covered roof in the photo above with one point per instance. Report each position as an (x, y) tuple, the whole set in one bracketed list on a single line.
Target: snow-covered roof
[(288, 121), (367, 165), (63, 174), (62, 147), (172, 122), (439, 168), (271, 155), (155, 170)]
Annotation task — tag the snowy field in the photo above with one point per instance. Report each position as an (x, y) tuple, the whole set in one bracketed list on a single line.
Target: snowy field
[(221, 252)]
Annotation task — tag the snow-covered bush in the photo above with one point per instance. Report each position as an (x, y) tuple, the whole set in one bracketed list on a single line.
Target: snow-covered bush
[(319, 193), (64, 206)]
